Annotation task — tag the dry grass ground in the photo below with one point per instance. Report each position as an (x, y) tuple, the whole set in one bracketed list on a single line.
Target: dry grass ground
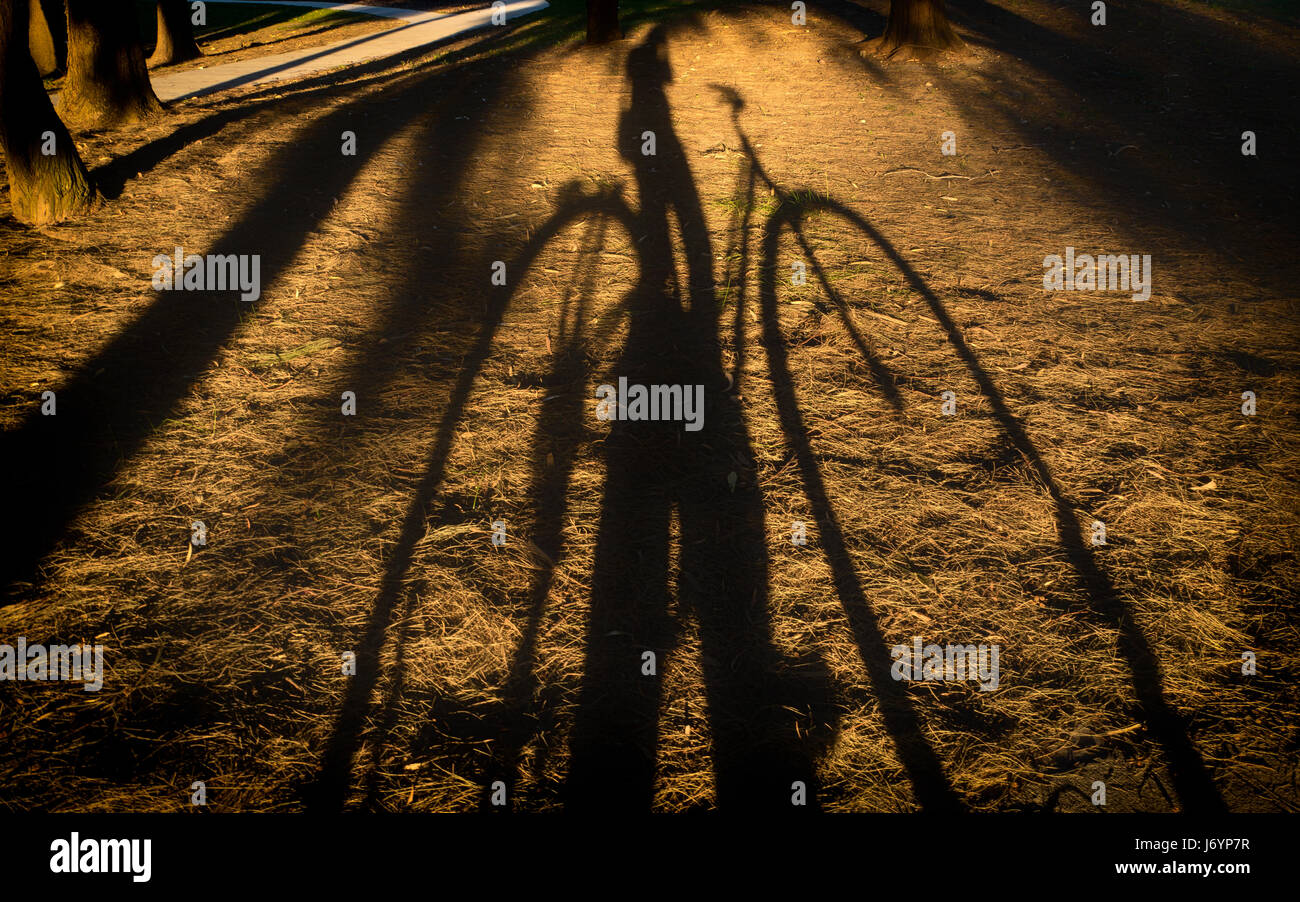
[(776, 144)]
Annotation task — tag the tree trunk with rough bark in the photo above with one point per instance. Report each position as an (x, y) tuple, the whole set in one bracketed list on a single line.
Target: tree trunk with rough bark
[(175, 42), (40, 41), (43, 187), (107, 83), (917, 28)]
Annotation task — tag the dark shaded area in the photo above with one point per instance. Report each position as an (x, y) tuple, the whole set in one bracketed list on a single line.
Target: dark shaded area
[(108, 409), (1148, 112)]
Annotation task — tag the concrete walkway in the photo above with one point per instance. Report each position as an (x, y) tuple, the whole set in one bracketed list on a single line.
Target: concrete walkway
[(382, 11), (417, 29)]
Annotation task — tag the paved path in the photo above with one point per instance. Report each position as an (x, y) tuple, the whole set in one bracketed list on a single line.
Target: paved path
[(384, 11), (417, 29)]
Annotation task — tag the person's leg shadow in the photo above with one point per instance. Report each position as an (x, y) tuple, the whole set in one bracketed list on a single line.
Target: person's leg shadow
[(758, 754)]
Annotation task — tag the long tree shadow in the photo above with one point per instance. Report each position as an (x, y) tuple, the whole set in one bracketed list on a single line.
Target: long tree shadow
[(1191, 779), (654, 468), (1164, 96), (110, 407)]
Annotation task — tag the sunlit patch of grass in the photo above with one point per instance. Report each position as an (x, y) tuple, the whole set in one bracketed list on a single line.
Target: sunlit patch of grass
[(763, 205), (231, 20)]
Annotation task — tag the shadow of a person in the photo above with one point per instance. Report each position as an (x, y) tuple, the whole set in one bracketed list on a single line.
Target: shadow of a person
[(722, 559)]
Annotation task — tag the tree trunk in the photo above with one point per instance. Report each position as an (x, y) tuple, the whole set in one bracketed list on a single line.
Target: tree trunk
[(602, 21), (40, 41), (175, 43), (42, 189), (56, 19), (107, 82), (918, 28)]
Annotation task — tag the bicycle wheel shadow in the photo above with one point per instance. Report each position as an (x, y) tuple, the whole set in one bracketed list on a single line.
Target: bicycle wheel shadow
[(526, 706), (328, 789), (1192, 781)]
